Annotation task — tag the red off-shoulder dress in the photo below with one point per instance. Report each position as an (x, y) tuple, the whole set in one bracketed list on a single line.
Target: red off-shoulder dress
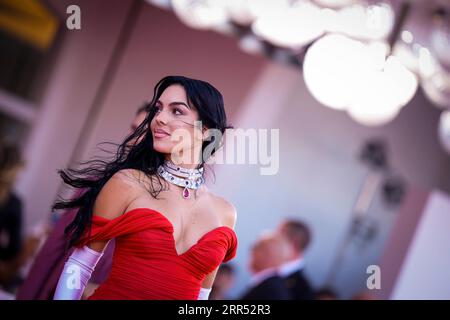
[(146, 265)]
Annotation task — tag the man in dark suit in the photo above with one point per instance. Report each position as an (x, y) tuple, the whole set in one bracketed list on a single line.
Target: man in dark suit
[(298, 236), (267, 255)]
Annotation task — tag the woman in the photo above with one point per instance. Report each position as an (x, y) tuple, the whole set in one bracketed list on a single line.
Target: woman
[(171, 233)]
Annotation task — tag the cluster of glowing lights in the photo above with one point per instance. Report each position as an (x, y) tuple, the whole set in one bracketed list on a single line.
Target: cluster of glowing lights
[(444, 130), (348, 65), (346, 74), (288, 23)]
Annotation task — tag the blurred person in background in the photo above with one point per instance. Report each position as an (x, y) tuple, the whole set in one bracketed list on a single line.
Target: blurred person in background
[(223, 283), (326, 294), (11, 242), (267, 255), (298, 235), (41, 281), (363, 295)]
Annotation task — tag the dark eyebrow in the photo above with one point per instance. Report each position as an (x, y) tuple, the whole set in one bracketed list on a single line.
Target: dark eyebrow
[(176, 103)]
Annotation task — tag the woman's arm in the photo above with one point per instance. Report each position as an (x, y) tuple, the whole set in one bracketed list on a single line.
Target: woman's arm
[(90, 288), (207, 284), (228, 216), (111, 202), (76, 273)]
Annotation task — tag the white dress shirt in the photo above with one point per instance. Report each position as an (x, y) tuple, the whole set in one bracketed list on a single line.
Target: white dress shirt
[(259, 277), (290, 267)]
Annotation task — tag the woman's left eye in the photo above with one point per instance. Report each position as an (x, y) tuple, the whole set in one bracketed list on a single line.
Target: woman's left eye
[(177, 111)]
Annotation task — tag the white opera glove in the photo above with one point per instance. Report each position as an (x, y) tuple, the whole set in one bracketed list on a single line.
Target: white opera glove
[(76, 274), (204, 294)]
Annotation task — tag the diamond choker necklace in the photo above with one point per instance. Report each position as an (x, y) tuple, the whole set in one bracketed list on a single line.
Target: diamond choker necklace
[(182, 177)]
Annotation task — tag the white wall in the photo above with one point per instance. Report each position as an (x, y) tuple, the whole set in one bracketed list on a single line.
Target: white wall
[(425, 273)]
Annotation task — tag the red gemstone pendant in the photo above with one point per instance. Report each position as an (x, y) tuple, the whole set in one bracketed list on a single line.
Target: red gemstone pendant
[(185, 193)]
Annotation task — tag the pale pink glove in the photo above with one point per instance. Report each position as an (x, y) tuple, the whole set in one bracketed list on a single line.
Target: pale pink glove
[(76, 274)]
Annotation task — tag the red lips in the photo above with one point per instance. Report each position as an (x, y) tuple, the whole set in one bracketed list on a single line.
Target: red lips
[(160, 133)]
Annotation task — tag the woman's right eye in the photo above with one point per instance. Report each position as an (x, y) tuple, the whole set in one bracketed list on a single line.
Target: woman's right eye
[(158, 108)]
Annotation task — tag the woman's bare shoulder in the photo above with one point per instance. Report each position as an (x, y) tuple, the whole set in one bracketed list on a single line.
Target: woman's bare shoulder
[(117, 193), (226, 210)]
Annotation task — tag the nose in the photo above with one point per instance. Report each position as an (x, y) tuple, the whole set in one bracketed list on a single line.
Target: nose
[(161, 117)]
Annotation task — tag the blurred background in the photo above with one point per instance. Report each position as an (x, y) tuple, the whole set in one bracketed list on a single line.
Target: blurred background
[(359, 90)]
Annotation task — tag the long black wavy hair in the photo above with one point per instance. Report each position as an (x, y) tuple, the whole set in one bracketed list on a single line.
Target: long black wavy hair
[(137, 152)]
